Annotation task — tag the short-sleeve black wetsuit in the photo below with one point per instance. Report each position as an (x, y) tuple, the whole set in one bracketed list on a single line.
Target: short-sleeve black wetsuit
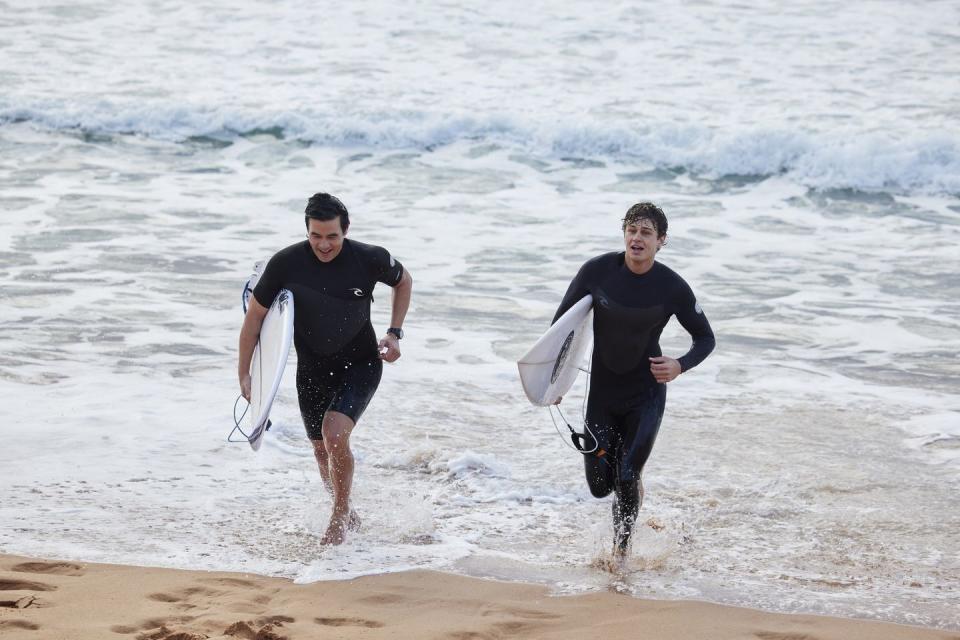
[(626, 403), (338, 367)]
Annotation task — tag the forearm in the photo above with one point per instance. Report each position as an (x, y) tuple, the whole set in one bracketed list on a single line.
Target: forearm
[(249, 335), (702, 346), (692, 319), (401, 300)]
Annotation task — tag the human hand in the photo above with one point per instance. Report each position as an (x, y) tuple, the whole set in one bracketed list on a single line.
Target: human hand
[(389, 348), (664, 369), (245, 386)]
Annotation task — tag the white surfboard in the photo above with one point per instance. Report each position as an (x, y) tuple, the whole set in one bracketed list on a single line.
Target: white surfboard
[(551, 366), (269, 356)]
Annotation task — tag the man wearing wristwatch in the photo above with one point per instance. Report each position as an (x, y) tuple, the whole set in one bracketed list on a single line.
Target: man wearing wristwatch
[(338, 356)]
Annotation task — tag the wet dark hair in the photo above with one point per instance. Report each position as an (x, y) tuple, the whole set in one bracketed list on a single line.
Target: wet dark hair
[(323, 206), (647, 211)]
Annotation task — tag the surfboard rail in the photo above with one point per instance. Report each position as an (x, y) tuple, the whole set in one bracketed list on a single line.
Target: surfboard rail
[(268, 363), (269, 356)]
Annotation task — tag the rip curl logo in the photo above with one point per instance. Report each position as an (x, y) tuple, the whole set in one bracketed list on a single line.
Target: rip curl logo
[(604, 303), (357, 292), (696, 307)]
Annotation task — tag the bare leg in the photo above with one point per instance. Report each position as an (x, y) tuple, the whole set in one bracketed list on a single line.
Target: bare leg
[(336, 440), (323, 463)]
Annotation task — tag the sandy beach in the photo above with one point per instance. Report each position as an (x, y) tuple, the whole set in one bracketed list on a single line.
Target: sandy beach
[(84, 601)]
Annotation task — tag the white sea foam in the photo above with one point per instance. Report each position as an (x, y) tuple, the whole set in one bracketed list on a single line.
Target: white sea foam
[(471, 462), (871, 161), (937, 435)]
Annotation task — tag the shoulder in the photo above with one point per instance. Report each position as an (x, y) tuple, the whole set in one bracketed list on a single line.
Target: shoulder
[(292, 252), (670, 278), (370, 254), (602, 263), (364, 250), (663, 271), (288, 255)]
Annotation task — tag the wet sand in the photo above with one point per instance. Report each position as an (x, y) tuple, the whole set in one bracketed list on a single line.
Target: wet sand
[(50, 600)]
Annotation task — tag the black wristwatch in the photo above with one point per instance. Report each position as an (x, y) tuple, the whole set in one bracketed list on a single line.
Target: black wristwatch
[(397, 331)]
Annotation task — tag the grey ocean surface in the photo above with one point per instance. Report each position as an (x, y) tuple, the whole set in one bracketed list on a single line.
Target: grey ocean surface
[(808, 159)]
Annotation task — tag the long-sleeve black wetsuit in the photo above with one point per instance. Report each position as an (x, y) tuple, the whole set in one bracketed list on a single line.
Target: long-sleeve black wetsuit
[(626, 403), (338, 368)]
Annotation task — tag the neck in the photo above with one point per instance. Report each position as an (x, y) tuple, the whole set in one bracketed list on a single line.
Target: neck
[(638, 267)]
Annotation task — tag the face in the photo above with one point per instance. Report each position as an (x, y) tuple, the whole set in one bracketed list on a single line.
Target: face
[(641, 241), (326, 238)]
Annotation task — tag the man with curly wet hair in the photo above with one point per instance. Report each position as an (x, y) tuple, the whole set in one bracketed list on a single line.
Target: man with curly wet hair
[(634, 297)]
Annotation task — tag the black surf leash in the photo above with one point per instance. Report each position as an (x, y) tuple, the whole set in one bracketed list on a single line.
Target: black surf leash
[(237, 421), (584, 443)]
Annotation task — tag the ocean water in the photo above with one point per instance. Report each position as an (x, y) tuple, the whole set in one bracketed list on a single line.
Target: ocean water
[(808, 157)]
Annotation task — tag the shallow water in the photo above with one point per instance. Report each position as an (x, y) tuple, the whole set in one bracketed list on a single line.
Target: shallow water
[(810, 464)]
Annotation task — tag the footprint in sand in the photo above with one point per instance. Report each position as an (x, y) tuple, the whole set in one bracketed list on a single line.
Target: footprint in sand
[(57, 568), (278, 620), (263, 627), (123, 629), (18, 624), (231, 582), (23, 602), (384, 599), (260, 629), (527, 624), (516, 629), (532, 614), (171, 628), (348, 622), (163, 633), (7, 584), (186, 594), (164, 597)]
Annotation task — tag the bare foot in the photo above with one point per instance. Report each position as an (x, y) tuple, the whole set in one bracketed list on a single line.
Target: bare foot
[(336, 532)]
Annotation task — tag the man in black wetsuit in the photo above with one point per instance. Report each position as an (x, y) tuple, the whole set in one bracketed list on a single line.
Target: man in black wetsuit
[(338, 356), (633, 298)]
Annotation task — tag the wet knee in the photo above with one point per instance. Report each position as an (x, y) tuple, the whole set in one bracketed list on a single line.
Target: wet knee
[(600, 487), (319, 450), (599, 479), (600, 491), (335, 442)]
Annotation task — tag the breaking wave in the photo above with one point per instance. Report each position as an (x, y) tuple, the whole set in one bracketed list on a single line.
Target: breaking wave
[(870, 161)]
